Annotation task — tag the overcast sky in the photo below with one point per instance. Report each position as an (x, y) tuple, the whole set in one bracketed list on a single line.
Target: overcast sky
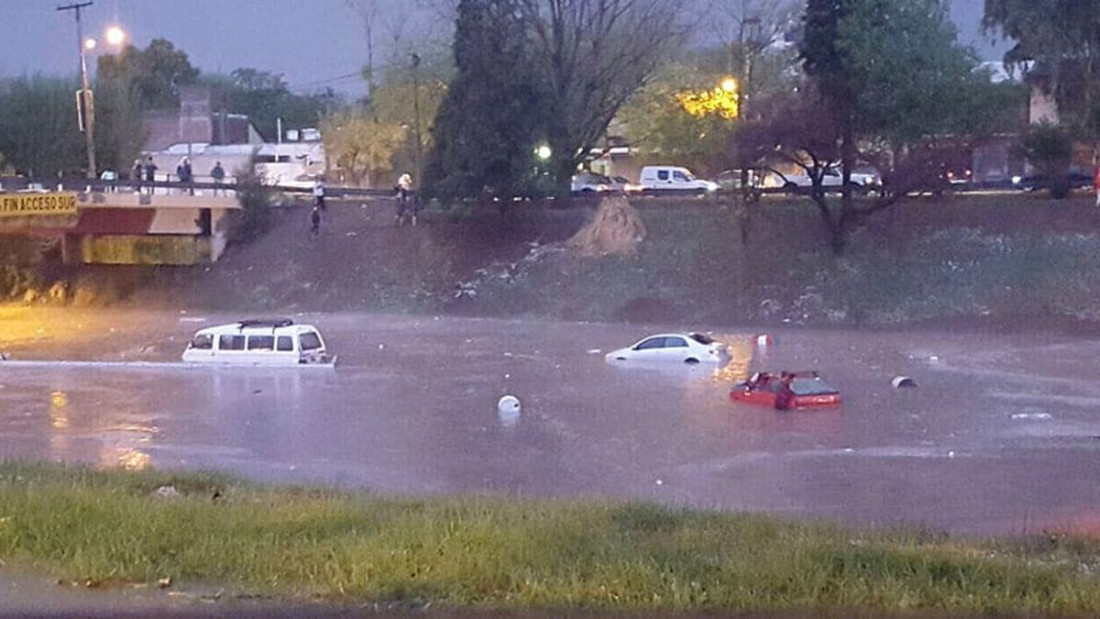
[(313, 43)]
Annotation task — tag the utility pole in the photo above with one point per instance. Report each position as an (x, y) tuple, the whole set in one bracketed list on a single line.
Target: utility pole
[(748, 51), (85, 106), (416, 112)]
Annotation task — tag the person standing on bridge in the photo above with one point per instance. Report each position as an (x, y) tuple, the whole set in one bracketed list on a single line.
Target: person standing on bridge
[(151, 173), (183, 171), (218, 174), (135, 176)]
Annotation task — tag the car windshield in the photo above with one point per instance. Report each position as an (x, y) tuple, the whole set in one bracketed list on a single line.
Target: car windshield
[(702, 339), (811, 386)]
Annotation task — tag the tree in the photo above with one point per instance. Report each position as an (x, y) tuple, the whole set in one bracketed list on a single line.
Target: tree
[(361, 146), (487, 127), (1050, 148), (1063, 38), (593, 55), (120, 132), (265, 97), (154, 73), (889, 75), (38, 130), (656, 123)]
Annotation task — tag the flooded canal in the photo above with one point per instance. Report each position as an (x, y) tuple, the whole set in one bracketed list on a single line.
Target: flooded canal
[(1002, 434)]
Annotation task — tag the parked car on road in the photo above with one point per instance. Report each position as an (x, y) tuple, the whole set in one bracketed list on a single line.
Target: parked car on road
[(690, 348), (1032, 182), (864, 180), (589, 182), (673, 178)]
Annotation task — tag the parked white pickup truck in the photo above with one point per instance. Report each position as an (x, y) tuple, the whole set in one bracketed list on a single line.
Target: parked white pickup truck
[(861, 181)]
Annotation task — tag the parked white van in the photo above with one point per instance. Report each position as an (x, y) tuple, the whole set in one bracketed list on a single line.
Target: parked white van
[(259, 342), (674, 178)]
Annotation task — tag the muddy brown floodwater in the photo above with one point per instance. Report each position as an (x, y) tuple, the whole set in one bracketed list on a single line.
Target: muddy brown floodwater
[(1002, 435)]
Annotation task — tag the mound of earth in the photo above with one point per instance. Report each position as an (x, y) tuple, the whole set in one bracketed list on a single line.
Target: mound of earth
[(616, 229)]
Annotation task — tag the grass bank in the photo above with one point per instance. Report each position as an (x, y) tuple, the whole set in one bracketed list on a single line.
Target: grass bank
[(491, 552)]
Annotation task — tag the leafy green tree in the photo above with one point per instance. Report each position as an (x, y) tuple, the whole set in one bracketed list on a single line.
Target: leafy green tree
[(487, 126), (889, 75), (265, 97), (38, 128), (120, 133), (1063, 38), (154, 73)]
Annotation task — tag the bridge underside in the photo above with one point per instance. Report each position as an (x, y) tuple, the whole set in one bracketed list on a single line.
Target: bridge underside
[(125, 228)]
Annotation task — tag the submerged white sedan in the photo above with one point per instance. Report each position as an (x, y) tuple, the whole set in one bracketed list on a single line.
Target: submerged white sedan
[(690, 348)]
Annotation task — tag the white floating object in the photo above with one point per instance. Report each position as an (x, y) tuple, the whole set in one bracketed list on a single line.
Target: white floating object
[(1031, 416), (381, 347), (659, 482), (508, 410), (933, 358), (900, 382), (594, 351), (508, 404)]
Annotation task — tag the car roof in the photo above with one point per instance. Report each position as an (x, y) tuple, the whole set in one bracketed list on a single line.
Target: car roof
[(258, 327)]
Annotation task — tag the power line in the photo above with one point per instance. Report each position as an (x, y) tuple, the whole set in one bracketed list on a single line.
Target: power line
[(338, 78)]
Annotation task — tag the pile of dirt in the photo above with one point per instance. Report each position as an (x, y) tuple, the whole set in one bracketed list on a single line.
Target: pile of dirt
[(615, 230)]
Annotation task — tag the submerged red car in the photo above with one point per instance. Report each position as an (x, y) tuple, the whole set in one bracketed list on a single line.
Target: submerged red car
[(786, 390)]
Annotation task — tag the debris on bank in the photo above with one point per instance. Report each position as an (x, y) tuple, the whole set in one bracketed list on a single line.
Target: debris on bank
[(616, 229)]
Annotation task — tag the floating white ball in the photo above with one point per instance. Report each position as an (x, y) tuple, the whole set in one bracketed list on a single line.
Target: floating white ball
[(508, 405)]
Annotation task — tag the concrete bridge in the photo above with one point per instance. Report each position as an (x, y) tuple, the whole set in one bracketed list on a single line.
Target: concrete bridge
[(123, 227)]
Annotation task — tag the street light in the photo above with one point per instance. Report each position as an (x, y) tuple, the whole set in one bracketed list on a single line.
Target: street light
[(729, 85), (416, 111), (85, 100), (116, 36), (543, 152)]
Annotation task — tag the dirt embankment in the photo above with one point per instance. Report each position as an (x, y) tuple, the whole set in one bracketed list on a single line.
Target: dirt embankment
[(656, 260)]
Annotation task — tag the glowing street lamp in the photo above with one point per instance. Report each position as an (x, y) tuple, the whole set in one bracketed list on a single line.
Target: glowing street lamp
[(115, 36), (89, 44), (729, 85), (543, 152)]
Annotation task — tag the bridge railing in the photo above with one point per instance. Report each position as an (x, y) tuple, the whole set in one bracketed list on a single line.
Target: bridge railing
[(21, 184)]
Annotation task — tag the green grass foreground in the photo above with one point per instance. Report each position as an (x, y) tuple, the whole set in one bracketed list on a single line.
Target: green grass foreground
[(482, 552)]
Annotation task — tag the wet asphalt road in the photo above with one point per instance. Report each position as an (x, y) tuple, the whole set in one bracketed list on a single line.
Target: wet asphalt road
[(1001, 436)]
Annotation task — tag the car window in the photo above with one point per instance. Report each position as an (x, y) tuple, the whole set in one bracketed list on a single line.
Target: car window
[(203, 341), (811, 386), (679, 176), (261, 342), (662, 175), (675, 342), (702, 338), (285, 343), (231, 342), (651, 343), (309, 341)]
